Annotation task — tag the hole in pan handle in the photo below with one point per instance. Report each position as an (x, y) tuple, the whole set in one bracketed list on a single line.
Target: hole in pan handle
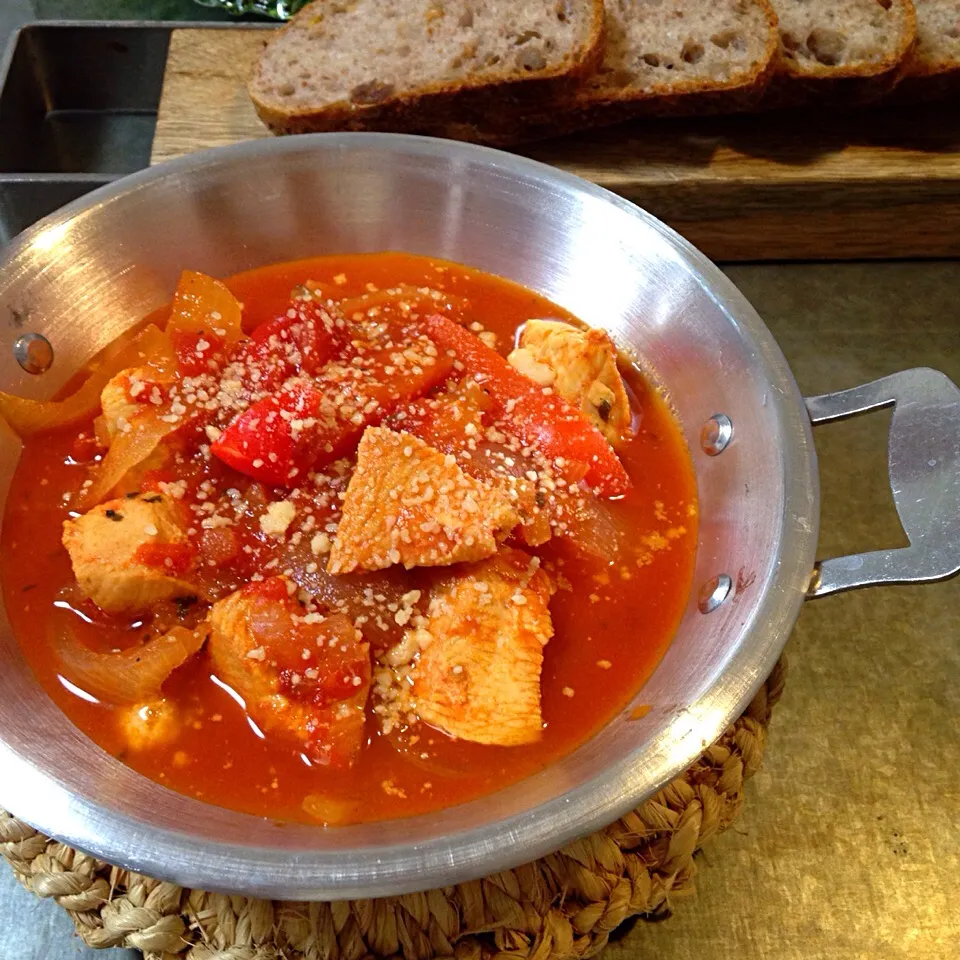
[(924, 467)]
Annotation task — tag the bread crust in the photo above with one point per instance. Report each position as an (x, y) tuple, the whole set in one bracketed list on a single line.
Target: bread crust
[(927, 77), (433, 100), (847, 84), (590, 108)]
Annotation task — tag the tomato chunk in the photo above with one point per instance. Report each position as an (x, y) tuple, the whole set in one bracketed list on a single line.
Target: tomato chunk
[(84, 449), (219, 547), (539, 419), (317, 701), (174, 558), (289, 345), (196, 351), (311, 423)]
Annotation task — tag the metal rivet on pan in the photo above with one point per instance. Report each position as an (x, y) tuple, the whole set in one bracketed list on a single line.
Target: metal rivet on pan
[(716, 434), (33, 352), (714, 592)]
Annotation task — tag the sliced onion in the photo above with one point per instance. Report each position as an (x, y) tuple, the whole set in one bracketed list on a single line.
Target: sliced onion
[(593, 526), (351, 593), (203, 303), (486, 460), (28, 417), (131, 676), (128, 450), (101, 431), (151, 346)]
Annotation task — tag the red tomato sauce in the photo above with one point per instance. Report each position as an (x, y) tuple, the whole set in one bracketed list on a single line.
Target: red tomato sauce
[(612, 623)]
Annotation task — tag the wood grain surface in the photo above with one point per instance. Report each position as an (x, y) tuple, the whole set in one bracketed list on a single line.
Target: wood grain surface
[(801, 185)]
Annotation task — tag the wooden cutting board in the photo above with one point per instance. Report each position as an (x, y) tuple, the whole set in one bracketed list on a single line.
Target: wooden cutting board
[(882, 182)]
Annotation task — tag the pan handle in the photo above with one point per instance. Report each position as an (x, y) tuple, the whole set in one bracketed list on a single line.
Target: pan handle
[(924, 467)]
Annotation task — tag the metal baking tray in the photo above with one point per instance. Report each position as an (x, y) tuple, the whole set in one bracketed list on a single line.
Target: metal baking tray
[(78, 109)]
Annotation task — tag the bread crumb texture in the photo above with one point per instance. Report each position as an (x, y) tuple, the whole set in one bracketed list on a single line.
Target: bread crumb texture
[(938, 34), (843, 33), (369, 52), (649, 42)]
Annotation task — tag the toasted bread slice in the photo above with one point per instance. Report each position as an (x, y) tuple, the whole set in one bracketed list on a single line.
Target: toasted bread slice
[(843, 50), (679, 47), (938, 38), (678, 56), (933, 70), (380, 64)]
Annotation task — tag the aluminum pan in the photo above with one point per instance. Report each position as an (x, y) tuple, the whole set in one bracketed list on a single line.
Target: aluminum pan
[(83, 274)]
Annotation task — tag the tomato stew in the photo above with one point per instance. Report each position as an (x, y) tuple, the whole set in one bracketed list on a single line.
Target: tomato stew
[(611, 586)]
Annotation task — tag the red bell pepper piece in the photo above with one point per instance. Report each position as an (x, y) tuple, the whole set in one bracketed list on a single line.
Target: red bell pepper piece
[(543, 420), (286, 346), (307, 330), (308, 424), (264, 442)]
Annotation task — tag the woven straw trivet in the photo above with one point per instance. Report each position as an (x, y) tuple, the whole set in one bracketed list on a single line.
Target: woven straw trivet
[(565, 905)]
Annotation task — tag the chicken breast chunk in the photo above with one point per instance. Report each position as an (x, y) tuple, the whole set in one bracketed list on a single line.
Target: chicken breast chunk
[(303, 677), (481, 651), (131, 553), (409, 503), (128, 394), (581, 366)]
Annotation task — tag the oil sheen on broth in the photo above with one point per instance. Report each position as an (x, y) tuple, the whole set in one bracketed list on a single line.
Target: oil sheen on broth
[(614, 609)]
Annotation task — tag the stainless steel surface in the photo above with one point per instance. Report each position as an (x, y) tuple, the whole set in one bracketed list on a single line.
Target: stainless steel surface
[(89, 271), (848, 846), (78, 108), (716, 434), (714, 592), (33, 352), (81, 98), (25, 198), (924, 469)]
